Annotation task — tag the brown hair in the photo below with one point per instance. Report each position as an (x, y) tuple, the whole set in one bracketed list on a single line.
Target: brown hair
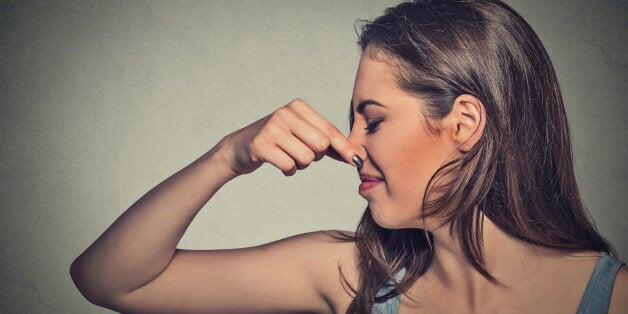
[(520, 173)]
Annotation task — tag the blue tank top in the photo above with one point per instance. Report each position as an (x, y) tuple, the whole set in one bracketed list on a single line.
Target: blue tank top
[(596, 296)]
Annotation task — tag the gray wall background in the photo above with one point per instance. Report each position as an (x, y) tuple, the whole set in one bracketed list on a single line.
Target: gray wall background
[(101, 100)]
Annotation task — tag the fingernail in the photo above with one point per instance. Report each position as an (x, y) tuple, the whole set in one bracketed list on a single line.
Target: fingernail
[(357, 160)]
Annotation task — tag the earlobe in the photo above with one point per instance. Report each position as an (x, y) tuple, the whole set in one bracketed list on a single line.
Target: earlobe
[(469, 118)]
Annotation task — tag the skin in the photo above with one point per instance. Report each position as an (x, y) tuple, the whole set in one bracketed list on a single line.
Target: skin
[(135, 265), (403, 149), (402, 153)]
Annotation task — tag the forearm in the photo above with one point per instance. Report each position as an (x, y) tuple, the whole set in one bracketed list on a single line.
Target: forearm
[(139, 245)]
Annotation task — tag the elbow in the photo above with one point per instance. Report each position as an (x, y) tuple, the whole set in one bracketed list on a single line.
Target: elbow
[(88, 286)]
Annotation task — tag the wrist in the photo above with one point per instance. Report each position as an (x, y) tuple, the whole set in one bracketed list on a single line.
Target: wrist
[(216, 164)]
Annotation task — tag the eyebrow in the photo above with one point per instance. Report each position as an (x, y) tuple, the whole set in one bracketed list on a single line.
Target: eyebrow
[(360, 109), (363, 104)]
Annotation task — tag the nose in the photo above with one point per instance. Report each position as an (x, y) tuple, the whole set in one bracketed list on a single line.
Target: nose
[(358, 140)]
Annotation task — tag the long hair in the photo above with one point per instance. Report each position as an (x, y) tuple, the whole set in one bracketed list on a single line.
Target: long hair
[(519, 174)]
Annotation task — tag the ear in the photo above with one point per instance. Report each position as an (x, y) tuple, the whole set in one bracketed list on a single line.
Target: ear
[(465, 122)]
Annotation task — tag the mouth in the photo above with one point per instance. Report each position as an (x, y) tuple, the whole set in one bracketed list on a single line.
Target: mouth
[(368, 183)]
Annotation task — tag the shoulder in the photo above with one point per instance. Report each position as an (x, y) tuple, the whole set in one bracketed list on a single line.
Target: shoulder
[(619, 298)]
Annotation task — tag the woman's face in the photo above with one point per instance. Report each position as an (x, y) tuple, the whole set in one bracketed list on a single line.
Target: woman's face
[(402, 152)]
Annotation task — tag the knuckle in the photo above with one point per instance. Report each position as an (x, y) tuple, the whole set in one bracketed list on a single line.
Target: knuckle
[(288, 169), (281, 114), (330, 129), (258, 149), (344, 146), (319, 156), (258, 141), (309, 157), (272, 128), (297, 103), (288, 165), (322, 144), (305, 160)]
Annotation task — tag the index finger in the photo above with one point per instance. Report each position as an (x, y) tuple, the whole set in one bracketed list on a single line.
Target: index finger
[(339, 144)]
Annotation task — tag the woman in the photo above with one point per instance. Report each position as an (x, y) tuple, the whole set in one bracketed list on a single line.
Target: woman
[(461, 142)]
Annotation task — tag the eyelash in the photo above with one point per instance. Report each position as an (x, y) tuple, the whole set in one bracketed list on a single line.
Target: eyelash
[(372, 126)]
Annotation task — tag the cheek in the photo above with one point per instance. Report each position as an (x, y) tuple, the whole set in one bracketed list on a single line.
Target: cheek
[(412, 158), (407, 160)]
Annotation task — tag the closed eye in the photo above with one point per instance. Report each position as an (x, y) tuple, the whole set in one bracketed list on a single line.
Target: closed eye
[(371, 127)]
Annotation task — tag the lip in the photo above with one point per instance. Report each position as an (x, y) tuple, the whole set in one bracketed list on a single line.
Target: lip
[(369, 178), (368, 182)]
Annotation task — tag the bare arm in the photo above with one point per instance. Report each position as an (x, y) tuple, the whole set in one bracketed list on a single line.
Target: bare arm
[(135, 266), (619, 297), (140, 244)]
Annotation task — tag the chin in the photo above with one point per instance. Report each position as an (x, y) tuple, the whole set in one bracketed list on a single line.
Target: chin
[(389, 219)]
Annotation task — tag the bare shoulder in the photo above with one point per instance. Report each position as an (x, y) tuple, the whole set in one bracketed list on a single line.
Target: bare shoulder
[(619, 298)]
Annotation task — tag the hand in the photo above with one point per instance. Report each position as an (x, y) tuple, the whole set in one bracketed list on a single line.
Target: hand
[(291, 138)]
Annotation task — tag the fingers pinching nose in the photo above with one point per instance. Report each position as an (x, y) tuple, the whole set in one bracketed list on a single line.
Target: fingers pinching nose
[(357, 160)]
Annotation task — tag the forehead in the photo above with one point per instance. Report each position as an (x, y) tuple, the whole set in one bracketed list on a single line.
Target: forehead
[(375, 80)]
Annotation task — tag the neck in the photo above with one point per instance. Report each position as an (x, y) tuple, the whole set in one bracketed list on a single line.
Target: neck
[(510, 261), (521, 270)]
